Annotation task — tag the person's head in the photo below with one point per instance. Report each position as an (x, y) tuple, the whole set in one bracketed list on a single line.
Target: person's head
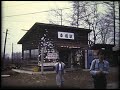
[(101, 54), (59, 60)]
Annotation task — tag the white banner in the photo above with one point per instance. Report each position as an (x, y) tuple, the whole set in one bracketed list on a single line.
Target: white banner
[(52, 56), (65, 35)]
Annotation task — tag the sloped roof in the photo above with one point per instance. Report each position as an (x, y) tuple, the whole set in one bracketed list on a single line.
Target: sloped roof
[(44, 25)]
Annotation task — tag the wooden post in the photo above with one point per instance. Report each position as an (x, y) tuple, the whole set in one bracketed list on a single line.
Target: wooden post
[(30, 54), (71, 60), (42, 58), (22, 54)]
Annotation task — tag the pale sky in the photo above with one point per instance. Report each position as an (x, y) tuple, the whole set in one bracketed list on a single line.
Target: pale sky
[(14, 24)]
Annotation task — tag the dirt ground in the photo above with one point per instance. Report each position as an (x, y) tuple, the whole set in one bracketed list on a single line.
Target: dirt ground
[(80, 79)]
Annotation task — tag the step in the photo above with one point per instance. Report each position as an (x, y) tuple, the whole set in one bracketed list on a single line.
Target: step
[(31, 72), (31, 68), (31, 64)]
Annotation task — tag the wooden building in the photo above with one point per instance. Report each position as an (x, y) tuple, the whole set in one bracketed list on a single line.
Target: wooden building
[(68, 42)]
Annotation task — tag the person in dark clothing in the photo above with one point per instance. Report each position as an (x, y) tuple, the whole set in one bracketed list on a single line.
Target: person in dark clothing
[(99, 69)]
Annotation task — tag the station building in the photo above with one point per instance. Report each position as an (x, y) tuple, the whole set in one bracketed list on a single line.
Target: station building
[(70, 44)]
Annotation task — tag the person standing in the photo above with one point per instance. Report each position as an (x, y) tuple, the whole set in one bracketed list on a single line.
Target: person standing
[(59, 68), (99, 69)]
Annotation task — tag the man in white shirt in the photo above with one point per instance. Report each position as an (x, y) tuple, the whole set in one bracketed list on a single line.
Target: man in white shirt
[(59, 67), (99, 70)]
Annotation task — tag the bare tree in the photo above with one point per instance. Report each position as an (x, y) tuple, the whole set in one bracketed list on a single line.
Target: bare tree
[(85, 14), (79, 12), (100, 23), (113, 15), (105, 29)]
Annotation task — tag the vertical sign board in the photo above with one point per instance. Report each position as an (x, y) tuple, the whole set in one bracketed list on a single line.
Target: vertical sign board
[(65, 35)]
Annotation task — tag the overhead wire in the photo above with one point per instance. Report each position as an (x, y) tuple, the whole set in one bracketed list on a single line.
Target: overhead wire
[(33, 13), (16, 5)]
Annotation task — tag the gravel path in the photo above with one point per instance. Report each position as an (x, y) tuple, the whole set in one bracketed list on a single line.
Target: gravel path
[(73, 79)]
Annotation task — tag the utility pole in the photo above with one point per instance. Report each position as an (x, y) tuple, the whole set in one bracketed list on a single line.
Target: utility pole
[(95, 7), (114, 20), (12, 52), (119, 21), (61, 16), (78, 14), (5, 44)]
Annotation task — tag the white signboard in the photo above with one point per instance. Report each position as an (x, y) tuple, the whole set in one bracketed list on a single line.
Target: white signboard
[(65, 35), (47, 64), (52, 56)]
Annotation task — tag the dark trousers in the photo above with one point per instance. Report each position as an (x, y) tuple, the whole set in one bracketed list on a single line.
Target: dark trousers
[(100, 82)]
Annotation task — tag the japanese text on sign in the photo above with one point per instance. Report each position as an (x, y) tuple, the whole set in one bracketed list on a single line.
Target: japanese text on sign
[(65, 35), (52, 55)]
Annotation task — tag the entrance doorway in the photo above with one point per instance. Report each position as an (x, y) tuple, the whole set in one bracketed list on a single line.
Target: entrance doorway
[(72, 57), (64, 55)]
